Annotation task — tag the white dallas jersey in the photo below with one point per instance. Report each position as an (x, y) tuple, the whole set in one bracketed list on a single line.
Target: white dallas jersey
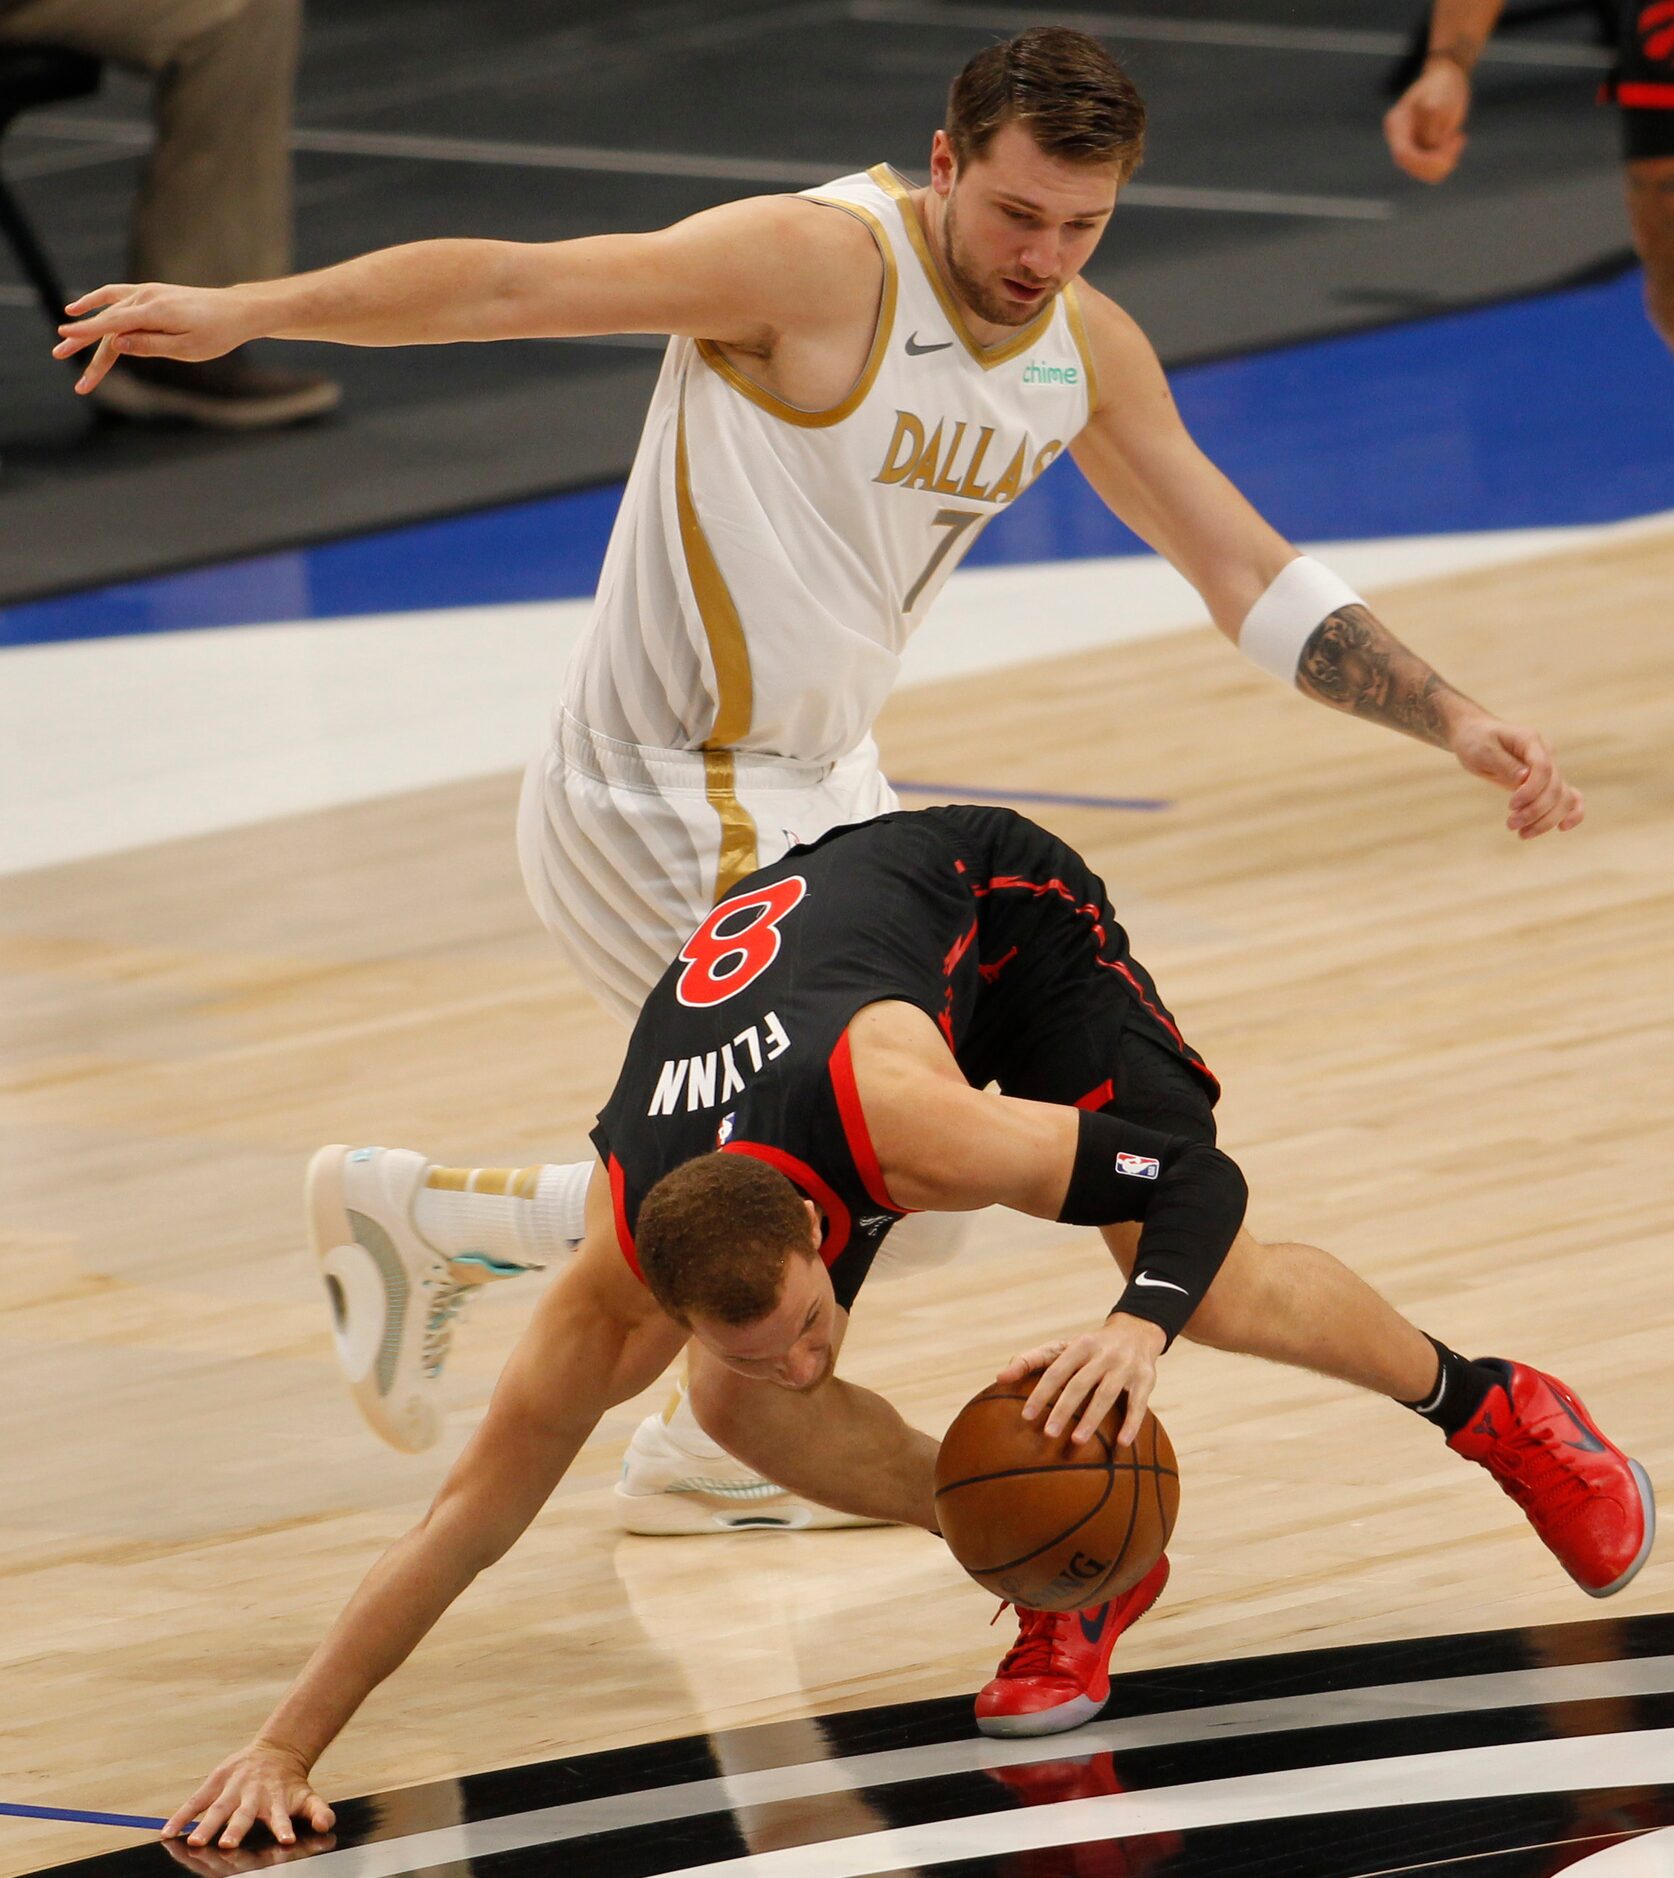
[(769, 563)]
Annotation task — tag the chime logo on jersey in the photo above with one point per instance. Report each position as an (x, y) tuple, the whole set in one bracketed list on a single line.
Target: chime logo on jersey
[(950, 461), (1141, 1166)]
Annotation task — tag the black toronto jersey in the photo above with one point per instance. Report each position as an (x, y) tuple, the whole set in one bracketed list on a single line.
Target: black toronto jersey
[(993, 927)]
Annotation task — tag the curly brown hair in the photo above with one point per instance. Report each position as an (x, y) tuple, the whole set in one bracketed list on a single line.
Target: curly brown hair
[(715, 1235), (1062, 86)]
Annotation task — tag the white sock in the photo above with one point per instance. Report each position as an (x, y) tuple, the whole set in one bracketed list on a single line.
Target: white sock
[(525, 1215)]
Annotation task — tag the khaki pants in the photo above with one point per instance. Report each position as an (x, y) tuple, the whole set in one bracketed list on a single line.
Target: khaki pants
[(215, 202)]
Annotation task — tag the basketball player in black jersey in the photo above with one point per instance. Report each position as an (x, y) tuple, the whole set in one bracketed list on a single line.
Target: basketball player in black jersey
[(813, 1065)]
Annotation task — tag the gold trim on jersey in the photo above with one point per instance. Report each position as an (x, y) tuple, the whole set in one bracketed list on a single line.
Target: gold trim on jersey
[(729, 652), (1083, 345), (718, 362), (986, 356), (738, 826)]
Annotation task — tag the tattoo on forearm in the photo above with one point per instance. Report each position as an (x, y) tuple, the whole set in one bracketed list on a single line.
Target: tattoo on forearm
[(1357, 665)]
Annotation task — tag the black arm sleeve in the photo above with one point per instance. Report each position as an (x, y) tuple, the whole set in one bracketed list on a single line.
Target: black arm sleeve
[(1189, 1198)]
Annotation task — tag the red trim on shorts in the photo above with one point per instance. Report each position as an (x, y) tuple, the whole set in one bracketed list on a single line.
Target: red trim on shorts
[(959, 949), (1096, 1098), (800, 1174), (1645, 97), (855, 1131), (990, 973), (619, 1206), (1091, 913)]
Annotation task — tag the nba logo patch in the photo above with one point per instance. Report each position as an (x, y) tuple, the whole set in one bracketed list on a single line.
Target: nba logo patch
[(723, 1134), (1141, 1166)]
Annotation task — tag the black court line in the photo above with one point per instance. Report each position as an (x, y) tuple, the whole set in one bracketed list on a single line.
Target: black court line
[(655, 1803)]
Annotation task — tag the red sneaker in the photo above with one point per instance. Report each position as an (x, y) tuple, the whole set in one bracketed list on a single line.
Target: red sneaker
[(1590, 1503), (1057, 1674)]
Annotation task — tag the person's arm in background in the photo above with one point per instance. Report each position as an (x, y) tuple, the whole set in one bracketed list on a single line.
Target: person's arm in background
[(1650, 187), (1425, 127)]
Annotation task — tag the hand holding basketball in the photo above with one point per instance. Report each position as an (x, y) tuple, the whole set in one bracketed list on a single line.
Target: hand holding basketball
[(1086, 1374)]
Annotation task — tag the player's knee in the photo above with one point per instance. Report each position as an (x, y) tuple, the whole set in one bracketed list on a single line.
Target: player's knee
[(720, 1403), (1250, 1286)]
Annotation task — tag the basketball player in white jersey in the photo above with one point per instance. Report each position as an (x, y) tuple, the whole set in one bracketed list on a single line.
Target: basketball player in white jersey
[(858, 380)]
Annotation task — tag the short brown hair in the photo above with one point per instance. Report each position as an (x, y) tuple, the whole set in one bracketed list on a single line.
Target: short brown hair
[(714, 1237), (1062, 86)]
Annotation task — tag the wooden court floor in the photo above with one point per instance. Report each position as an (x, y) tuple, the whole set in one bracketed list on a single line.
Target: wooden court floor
[(1445, 1055)]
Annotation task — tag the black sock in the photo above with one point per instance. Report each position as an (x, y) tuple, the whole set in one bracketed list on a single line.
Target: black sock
[(1459, 1390)]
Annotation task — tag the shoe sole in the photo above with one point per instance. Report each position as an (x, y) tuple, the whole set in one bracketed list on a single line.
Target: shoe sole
[(154, 404), (1648, 1504), (329, 1229), (684, 1515), (1075, 1713), (322, 1196)]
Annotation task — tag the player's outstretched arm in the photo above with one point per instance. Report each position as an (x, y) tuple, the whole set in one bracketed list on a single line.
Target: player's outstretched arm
[(1425, 127), (944, 1146), (739, 274), (596, 1339), (1292, 616)]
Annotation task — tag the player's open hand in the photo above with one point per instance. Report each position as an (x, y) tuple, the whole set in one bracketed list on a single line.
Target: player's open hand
[(1425, 127), (1081, 1377), (257, 1783), (152, 321), (1521, 761)]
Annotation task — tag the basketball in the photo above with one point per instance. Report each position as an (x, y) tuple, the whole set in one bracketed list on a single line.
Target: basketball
[(1043, 1522)]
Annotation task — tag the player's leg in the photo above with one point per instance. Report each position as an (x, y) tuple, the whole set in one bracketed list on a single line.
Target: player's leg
[(1589, 1503), (621, 849), (839, 1444), (1644, 88), (1650, 185)]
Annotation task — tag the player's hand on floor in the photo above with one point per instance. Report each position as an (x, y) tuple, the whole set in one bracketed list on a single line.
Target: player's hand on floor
[(257, 1783), (1521, 761), (152, 321), (211, 1862), (1081, 1377)]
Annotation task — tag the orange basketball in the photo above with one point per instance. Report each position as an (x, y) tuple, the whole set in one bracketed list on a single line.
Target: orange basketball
[(1045, 1523)]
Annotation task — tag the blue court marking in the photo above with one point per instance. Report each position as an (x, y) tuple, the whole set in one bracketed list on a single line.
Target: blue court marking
[(972, 792), (1538, 413), (83, 1819)]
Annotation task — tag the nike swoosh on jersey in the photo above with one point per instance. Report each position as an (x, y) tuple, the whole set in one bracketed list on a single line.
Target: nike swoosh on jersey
[(915, 350), (1161, 1284)]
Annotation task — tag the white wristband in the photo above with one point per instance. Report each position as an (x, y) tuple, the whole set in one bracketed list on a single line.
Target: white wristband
[(1282, 621)]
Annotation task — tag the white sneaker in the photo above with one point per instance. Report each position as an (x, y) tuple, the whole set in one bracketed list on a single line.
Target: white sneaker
[(394, 1297), (664, 1489)]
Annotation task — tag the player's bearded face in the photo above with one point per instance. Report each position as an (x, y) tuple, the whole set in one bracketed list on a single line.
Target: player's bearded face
[(1018, 225), (992, 293)]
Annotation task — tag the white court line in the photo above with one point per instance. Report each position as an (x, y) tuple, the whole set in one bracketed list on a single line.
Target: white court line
[(599, 159), (112, 744), (1563, 1766), (1254, 36), (1453, 1695)]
